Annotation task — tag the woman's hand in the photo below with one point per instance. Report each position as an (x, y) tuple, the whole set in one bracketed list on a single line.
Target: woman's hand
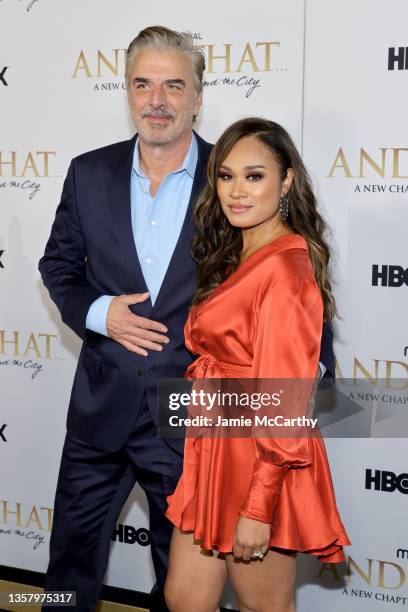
[(250, 537)]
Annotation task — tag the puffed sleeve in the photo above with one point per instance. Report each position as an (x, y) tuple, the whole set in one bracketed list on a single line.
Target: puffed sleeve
[(286, 345)]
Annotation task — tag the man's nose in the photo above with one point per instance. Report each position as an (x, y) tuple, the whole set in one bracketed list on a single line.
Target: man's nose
[(158, 97)]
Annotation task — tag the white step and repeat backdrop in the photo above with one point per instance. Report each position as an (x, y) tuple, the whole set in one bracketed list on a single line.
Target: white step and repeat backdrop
[(336, 75)]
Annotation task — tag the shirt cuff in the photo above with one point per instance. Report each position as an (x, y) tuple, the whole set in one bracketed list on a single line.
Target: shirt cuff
[(323, 370), (97, 313)]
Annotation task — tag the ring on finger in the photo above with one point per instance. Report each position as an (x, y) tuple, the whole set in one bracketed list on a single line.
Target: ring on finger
[(257, 554)]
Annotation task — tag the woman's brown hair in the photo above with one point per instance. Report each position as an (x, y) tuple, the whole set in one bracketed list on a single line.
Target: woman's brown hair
[(217, 245)]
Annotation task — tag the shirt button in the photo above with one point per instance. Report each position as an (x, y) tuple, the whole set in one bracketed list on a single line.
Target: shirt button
[(140, 372), (148, 260), (153, 222)]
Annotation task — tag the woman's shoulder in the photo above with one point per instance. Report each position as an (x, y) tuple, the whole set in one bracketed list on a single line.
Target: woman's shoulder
[(287, 261), (283, 261)]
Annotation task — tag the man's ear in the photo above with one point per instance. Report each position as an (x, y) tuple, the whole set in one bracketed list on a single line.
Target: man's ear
[(197, 104)]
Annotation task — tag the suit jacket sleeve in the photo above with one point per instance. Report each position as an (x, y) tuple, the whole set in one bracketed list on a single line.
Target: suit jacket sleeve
[(63, 266), (326, 350), (286, 346)]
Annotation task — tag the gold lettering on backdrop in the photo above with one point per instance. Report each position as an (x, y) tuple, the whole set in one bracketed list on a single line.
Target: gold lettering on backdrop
[(250, 59), (364, 156), (40, 344), (365, 159), (340, 162), (46, 155), (47, 343), (32, 346), (381, 581), (7, 512), (367, 574), (81, 64), (373, 378), (11, 163), (34, 518), (39, 167), (267, 66), (388, 374), (115, 64), (14, 342), (353, 565), (50, 513), (211, 57), (247, 57), (102, 59), (11, 516), (30, 164), (395, 165)]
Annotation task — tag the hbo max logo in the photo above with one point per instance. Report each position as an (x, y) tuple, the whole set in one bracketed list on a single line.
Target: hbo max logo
[(386, 481), (126, 534)]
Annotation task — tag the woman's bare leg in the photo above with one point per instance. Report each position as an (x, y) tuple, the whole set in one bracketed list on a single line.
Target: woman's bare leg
[(265, 585), (195, 578)]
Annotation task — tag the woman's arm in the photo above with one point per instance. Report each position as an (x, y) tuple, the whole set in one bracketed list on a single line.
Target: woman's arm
[(286, 346)]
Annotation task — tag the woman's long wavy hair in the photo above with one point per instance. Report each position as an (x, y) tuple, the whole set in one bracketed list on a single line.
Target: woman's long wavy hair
[(217, 245)]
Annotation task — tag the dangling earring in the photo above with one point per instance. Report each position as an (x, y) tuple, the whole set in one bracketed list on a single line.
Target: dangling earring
[(284, 207)]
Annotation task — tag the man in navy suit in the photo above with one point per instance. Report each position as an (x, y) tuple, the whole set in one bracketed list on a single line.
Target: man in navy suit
[(118, 267), (123, 228)]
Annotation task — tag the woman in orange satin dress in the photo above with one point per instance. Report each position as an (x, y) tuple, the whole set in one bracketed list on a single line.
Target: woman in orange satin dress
[(245, 506)]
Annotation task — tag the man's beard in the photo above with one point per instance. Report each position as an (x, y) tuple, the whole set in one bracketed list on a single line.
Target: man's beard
[(155, 139), (161, 134), (146, 131)]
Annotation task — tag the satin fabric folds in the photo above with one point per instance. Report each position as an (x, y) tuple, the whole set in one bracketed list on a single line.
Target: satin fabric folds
[(264, 321)]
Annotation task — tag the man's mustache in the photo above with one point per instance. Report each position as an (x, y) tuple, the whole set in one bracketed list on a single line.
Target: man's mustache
[(158, 112)]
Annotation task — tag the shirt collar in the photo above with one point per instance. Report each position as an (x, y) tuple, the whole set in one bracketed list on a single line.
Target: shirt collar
[(189, 163)]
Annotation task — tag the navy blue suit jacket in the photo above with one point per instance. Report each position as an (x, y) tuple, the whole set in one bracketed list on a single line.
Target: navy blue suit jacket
[(91, 252)]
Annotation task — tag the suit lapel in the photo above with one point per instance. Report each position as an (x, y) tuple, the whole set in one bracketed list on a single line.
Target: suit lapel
[(181, 254), (118, 196)]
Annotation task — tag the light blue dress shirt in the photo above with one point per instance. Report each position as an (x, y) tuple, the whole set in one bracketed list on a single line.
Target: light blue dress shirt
[(156, 224)]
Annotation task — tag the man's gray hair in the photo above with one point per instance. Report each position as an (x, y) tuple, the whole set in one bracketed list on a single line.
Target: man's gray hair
[(159, 37)]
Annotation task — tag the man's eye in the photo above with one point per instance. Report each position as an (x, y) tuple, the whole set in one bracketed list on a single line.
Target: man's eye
[(141, 85), (174, 86)]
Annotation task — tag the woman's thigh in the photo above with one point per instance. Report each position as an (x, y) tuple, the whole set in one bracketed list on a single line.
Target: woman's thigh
[(265, 585), (195, 578)]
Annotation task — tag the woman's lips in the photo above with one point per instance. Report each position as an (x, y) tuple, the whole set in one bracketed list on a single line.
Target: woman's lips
[(238, 208)]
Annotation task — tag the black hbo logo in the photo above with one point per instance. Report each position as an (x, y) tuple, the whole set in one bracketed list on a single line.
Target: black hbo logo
[(127, 534), (389, 276), (388, 482)]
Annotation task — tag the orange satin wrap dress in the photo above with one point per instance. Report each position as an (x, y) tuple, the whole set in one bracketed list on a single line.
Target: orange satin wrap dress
[(264, 321)]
